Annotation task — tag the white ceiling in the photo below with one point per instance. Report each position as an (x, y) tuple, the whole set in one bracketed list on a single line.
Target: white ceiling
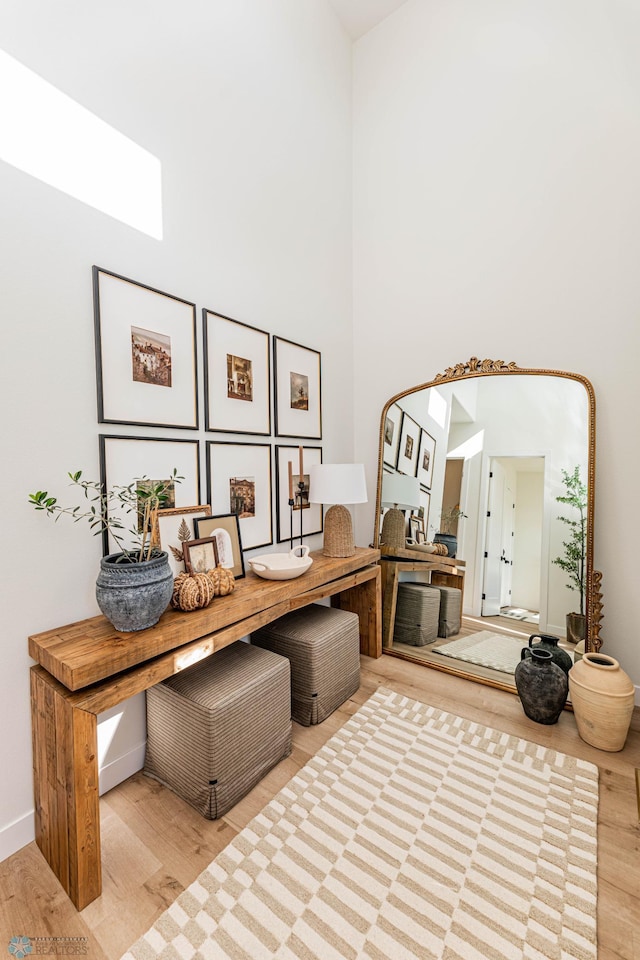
[(359, 16)]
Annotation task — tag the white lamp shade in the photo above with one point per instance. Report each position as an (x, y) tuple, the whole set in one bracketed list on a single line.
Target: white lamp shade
[(399, 490), (337, 483)]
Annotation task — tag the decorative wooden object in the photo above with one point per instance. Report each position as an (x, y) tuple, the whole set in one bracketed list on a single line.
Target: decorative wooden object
[(594, 640), (86, 667), (475, 366)]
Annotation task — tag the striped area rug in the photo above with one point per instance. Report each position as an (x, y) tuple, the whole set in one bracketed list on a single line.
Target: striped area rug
[(412, 834)]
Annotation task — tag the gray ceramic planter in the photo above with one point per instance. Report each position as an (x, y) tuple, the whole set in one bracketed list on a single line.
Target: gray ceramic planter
[(133, 596)]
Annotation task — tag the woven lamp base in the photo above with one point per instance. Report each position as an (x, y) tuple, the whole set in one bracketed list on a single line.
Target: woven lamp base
[(338, 532), (393, 529)]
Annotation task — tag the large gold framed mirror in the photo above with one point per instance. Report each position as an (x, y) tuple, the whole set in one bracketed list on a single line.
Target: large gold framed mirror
[(486, 484)]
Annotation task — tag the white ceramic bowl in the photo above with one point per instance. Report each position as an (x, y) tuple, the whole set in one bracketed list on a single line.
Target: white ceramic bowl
[(282, 566)]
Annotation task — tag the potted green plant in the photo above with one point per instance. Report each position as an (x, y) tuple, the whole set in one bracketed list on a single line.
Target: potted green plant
[(134, 585), (573, 560), (447, 533)]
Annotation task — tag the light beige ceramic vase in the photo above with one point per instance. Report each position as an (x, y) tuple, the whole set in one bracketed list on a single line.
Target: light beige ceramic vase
[(602, 695)]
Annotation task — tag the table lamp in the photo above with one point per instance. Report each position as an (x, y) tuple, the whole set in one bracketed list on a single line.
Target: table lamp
[(399, 492), (337, 484)]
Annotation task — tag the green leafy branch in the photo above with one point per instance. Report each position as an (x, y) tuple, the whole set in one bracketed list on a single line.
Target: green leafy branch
[(103, 509)]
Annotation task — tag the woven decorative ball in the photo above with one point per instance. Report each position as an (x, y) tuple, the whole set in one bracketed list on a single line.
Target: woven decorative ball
[(192, 591), (222, 580)]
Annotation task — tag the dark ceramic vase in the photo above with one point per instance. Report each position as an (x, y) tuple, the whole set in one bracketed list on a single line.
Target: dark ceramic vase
[(559, 656), (450, 541), (542, 685), (133, 596)]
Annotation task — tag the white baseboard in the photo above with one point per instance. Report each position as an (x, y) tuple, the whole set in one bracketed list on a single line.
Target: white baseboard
[(122, 767), (22, 831), (17, 835)]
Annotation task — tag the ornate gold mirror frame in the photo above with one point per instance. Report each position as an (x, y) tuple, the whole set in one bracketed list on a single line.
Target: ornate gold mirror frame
[(476, 368)]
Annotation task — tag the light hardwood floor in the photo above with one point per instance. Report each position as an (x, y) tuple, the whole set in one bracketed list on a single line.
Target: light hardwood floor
[(154, 845)]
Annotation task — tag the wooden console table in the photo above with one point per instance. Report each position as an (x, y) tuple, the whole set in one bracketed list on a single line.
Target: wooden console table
[(87, 667), (444, 571)]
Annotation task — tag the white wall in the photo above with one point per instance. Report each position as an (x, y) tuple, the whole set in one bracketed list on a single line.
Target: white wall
[(248, 107), (497, 214)]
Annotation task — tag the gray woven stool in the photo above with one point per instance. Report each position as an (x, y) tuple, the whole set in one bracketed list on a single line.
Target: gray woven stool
[(214, 730), (450, 619), (323, 645), (417, 614)]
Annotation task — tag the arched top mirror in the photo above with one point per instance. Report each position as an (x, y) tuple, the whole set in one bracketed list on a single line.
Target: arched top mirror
[(486, 475)]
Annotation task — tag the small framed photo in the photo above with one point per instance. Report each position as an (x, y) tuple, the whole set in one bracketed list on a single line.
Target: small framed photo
[(225, 530), (146, 363), (126, 459), (298, 405), (200, 555), (408, 446), (237, 374), (309, 515), (174, 526), (415, 528), (391, 433), (426, 454), (423, 510), (239, 482)]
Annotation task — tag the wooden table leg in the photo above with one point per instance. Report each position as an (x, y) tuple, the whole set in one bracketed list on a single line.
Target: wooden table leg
[(65, 776), (389, 600), (365, 599)]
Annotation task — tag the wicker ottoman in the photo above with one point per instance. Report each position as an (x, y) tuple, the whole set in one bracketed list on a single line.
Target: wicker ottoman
[(417, 614), (214, 730), (323, 645), (450, 619)]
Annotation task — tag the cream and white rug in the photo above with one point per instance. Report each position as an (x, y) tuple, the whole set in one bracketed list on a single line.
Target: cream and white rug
[(412, 835), (486, 649)]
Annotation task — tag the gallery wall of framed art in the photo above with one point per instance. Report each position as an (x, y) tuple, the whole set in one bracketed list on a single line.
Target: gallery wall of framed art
[(255, 385)]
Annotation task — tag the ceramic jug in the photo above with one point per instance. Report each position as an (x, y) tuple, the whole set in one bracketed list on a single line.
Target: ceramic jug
[(558, 655), (541, 684), (602, 695)]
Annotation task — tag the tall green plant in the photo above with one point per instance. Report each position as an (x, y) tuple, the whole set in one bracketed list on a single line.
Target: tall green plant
[(573, 561)]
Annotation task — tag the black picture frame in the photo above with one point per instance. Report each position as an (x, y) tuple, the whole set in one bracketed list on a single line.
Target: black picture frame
[(312, 513), (146, 354), (408, 456), (237, 395), (425, 460), (125, 459), (297, 390), (228, 461), (391, 435)]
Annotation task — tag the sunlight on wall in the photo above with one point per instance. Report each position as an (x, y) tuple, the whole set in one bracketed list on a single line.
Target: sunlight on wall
[(46, 134), (470, 447), (108, 727), (437, 407)]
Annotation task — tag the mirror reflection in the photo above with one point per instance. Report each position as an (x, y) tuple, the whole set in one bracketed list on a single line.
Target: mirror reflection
[(485, 491)]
